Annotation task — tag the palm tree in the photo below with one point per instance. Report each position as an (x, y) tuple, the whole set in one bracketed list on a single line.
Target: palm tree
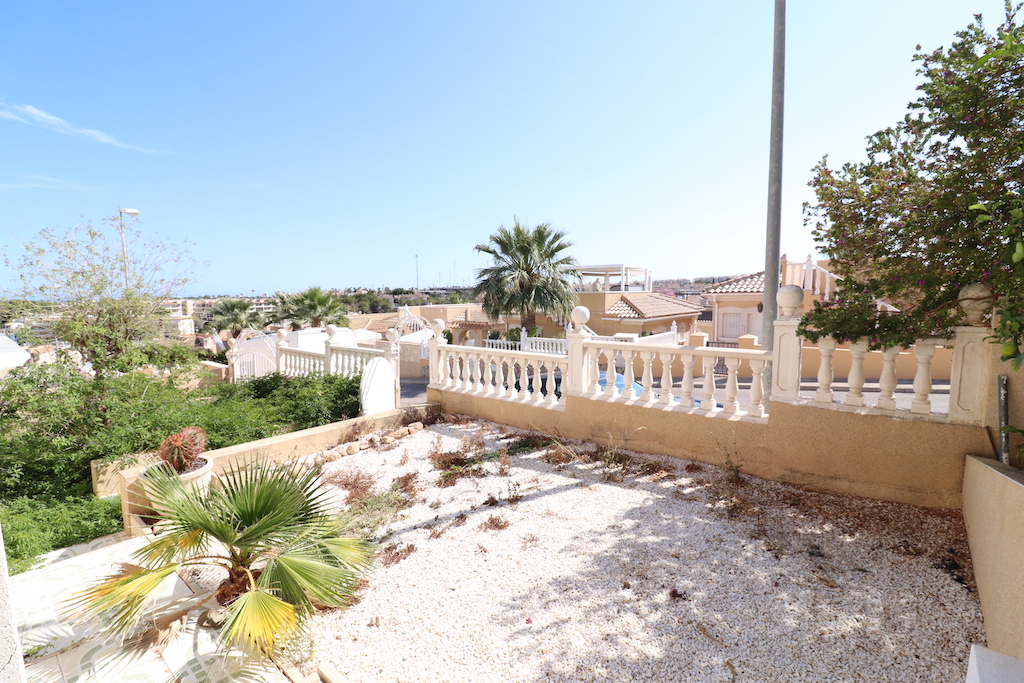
[(235, 315), (312, 307), (530, 274), (270, 527)]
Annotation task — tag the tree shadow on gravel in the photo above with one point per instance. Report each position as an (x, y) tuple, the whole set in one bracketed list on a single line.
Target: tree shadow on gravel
[(719, 577)]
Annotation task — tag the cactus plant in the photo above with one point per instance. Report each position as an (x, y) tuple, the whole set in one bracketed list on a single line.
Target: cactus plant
[(182, 450)]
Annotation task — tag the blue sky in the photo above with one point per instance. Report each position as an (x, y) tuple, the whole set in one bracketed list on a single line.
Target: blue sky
[(330, 143)]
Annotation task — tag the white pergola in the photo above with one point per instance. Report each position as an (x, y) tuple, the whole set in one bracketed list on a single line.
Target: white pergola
[(617, 274)]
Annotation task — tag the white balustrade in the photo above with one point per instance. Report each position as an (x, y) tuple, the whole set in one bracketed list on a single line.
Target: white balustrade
[(924, 354), (531, 345), (530, 377), (336, 360), (690, 359), (545, 345), (627, 370)]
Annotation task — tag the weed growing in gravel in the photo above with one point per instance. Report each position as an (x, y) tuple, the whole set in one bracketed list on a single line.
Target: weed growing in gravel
[(395, 553), (375, 511), (493, 523), (359, 484), (454, 464), (406, 484), (513, 493), (562, 454), (530, 541), (504, 461), (528, 443)]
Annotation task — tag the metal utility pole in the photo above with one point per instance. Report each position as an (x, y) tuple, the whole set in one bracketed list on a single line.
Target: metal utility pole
[(771, 251)]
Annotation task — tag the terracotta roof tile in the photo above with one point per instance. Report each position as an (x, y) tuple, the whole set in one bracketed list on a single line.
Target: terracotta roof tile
[(651, 305), (381, 325), (746, 284)]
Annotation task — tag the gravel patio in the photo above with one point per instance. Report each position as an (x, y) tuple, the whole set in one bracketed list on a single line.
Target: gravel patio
[(562, 561)]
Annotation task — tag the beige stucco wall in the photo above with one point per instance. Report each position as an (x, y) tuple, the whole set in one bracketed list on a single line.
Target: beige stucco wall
[(993, 501), (909, 461)]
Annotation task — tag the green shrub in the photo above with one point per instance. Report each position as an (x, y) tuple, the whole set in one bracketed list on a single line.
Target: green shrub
[(308, 401), (32, 527), (53, 422)]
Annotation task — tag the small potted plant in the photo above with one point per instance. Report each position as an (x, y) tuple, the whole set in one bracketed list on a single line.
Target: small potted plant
[(181, 453), (183, 449)]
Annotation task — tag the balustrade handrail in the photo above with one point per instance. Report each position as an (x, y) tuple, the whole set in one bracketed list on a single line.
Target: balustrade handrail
[(703, 351), (503, 353), (289, 351)]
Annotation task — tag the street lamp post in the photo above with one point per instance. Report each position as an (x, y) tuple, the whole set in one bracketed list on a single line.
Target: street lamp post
[(124, 242)]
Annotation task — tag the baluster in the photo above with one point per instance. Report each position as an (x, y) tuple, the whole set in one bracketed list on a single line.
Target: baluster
[(708, 402), (628, 377), (856, 379), (481, 367), (530, 375), (502, 378), (540, 379), (732, 387), (488, 374), (887, 382), (517, 378), (686, 386), (756, 408), (610, 390), (476, 379), (924, 351), (826, 346), (647, 378), (551, 399), (495, 375), (666, 376)]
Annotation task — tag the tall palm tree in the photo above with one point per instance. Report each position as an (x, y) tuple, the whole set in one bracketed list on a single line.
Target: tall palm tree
[(270, 527), (312, 307), (530, 273), (235, 316)]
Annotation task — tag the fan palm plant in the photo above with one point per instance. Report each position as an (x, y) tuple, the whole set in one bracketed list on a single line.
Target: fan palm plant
[(269, 527), (530, 273), (234, 315), (313, 307)]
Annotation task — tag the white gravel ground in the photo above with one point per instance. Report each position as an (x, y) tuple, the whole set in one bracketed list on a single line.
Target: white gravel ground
[(647, 573)]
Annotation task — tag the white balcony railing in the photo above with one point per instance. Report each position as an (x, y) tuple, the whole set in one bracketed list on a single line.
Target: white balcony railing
[(659, 366), (497, 373), (530, 345), (683, 378)]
